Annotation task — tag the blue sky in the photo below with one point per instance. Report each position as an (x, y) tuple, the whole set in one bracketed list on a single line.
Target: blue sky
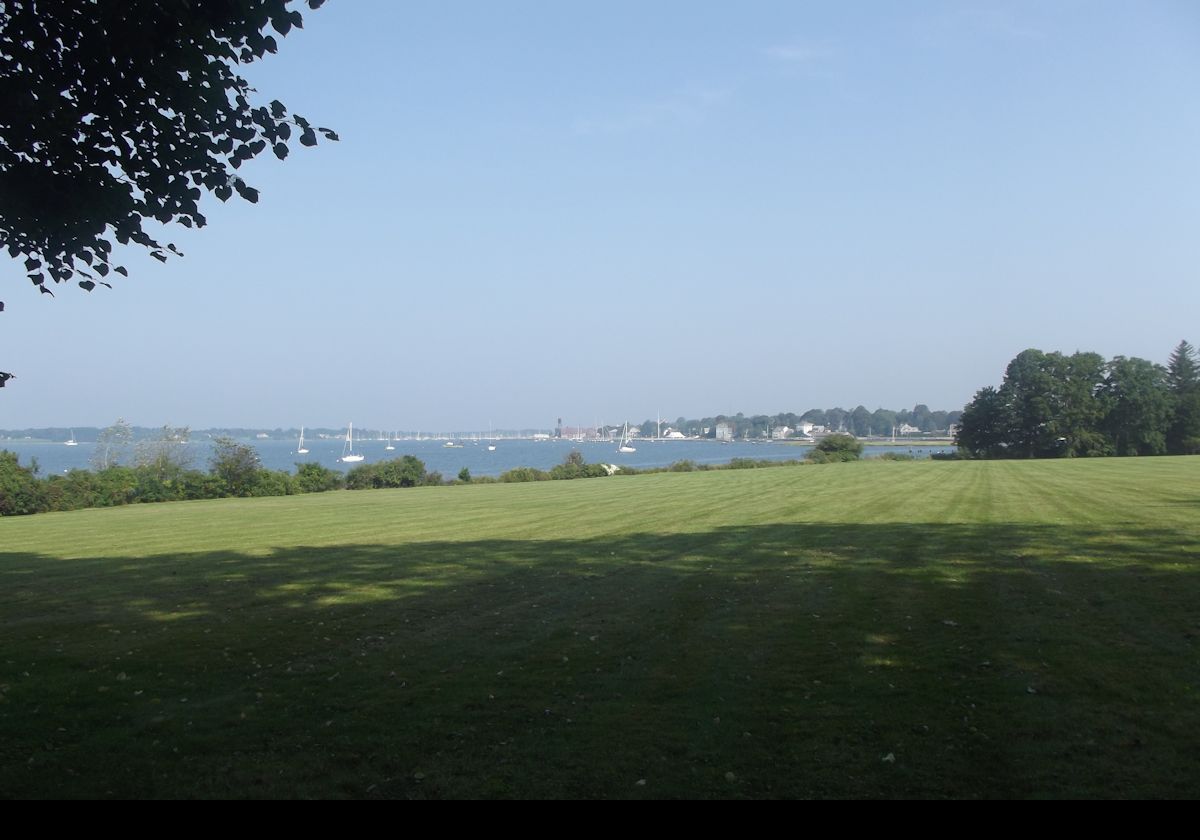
[(543, 210)]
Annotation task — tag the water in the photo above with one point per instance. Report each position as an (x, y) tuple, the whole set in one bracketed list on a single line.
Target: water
[(543, 454)]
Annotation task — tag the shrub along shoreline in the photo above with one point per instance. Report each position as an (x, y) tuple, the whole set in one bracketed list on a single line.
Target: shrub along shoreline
[(236, 471)]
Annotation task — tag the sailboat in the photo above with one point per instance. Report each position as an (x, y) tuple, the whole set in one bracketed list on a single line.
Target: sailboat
[(300, 450), (625, 445), (348, 456), (72, 441), (390, 446)]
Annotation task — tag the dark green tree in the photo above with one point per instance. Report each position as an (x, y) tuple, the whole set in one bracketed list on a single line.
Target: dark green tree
[(986, 425), (114, 114), (1137, 406), (834, 448), (20, 491), (1028, 395), (1079, 379), (1183, 381), (406, 471), (314, 478), (1052, 404)]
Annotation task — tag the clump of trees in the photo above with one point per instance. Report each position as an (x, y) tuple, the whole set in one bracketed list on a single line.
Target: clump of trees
[(836, 448), (858, 421), (1051, 405), (406, 471), (574, 466), (159, 470)]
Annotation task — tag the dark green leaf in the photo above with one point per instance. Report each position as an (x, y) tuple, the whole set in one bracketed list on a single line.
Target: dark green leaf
[(159, 255), (31, 264), (87, 285), (308, 137), (281, 150), (223, 192), (121, 270)]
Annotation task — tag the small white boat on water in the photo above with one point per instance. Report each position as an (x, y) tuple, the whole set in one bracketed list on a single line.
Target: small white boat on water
[(300, 450), (348, 456), (625, 446), (71, 441)]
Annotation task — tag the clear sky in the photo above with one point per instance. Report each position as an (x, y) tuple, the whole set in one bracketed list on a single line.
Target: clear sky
[(610, 210)]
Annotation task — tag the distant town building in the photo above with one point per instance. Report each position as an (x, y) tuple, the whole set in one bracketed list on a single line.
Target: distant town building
[(906, 429), (725, 431), (781, 433)]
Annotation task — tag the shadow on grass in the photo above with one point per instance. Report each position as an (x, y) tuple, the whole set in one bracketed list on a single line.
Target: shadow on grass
[(776, 660)]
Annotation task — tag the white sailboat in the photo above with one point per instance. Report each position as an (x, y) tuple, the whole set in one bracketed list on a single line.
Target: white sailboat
[(348, 456), (625, 445), (390, 446), (72, 441), (300, 450)]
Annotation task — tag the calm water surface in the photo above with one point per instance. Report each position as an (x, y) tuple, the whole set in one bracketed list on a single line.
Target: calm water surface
[(474, 455)]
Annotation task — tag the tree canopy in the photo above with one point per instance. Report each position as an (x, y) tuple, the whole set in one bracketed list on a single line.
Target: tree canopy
[(1053, 405), (117, 114)]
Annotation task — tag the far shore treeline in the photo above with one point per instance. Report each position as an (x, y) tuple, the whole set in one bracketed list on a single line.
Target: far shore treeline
[(859, 421), (1055, 406)]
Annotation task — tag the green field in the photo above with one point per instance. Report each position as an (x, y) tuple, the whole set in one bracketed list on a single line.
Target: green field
[(953, 629)]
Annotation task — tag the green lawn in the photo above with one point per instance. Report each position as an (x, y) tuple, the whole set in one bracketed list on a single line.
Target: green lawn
[(942, 629)]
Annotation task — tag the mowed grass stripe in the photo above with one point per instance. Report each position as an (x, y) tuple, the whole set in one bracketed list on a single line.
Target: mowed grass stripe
[(870, 629)]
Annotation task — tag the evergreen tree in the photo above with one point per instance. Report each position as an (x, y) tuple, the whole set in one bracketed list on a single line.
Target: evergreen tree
[(1183, 379)]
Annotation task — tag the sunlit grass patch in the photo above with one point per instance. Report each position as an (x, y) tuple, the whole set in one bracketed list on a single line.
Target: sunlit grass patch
[(998, 629)]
